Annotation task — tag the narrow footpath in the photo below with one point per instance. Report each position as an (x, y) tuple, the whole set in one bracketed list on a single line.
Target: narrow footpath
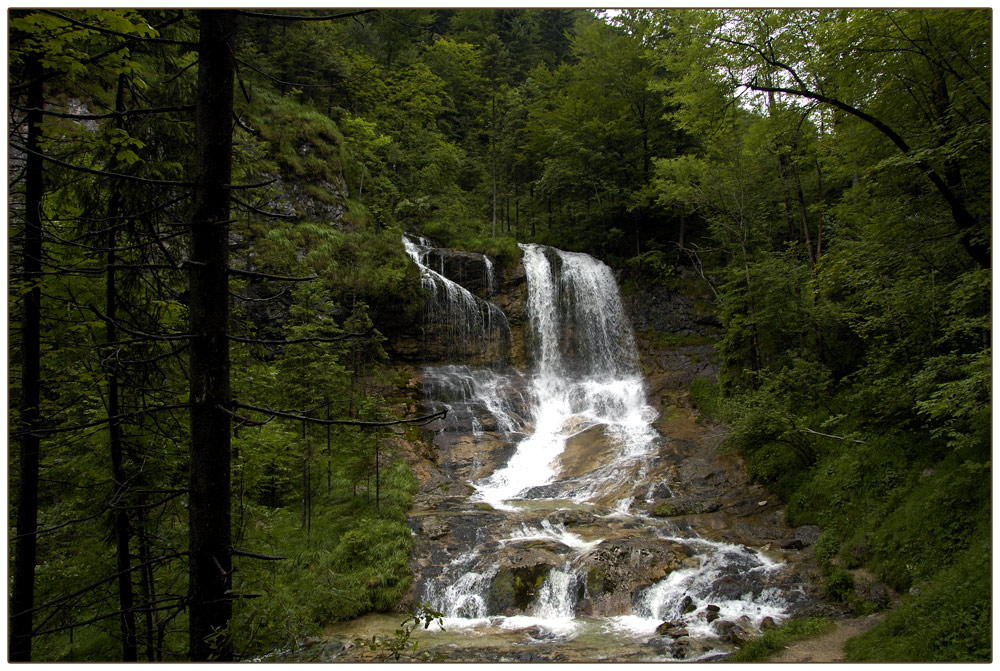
[(828, 647)]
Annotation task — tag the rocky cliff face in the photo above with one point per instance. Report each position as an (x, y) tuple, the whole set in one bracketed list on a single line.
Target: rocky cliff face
[(432, 338)]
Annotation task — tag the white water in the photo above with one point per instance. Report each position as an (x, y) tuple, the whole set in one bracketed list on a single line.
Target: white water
[(706, 584), (584, 375), (472, 325)]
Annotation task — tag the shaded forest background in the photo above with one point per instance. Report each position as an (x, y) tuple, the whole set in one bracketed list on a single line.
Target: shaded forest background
[(822, 176)]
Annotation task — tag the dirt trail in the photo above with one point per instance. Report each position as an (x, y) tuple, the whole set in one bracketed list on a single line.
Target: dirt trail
[(828, 647)]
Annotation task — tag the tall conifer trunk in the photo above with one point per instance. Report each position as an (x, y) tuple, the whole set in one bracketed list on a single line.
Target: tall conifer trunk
[(209, 502), (25, 541)]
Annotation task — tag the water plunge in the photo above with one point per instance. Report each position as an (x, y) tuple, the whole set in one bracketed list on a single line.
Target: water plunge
[(586, 375), (569, 441)]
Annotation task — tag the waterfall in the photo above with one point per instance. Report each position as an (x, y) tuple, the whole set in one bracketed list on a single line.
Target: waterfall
[(477, 400), (468, 324), (586, 374), (569, 438)]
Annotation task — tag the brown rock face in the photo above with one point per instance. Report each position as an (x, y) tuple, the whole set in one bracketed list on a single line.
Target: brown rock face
[(439, 335), (619, 568), (587, 450)]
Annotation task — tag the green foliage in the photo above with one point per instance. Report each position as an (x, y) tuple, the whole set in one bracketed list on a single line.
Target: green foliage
[(776, 640), (704, 394), (353, 557), (948, 618), (401, 645), (839, 585), (651, 268)]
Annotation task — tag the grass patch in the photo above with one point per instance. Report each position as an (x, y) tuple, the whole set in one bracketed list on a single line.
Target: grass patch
[(667, 340), (775, 640), (948, 620), (704, 394)]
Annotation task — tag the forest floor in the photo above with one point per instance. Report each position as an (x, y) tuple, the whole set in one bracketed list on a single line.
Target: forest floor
[(827, 647)]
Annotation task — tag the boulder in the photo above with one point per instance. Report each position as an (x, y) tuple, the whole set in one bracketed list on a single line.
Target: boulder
[(734, 632), (587, 450), (514, 589), (689, 648), (617, 569), (523, 570), (672, 628)]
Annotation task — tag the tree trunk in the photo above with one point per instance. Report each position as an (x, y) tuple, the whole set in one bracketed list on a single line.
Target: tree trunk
[(25, 541), (119, 479), (517, 212), (147, 585), (378, 488), (783, 172), (803, 215), (493, 156), (531, 210), (209, 497), (680, 232)]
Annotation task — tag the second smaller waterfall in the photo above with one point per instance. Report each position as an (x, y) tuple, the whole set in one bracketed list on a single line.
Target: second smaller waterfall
[(473, 327)]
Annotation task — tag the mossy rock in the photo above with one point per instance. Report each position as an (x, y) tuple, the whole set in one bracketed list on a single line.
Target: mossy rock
[(595, 580), (515, 589), (667, 510)]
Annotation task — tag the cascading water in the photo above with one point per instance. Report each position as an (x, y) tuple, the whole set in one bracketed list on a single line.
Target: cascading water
[(469, 324), (568, 441), (586, 374)]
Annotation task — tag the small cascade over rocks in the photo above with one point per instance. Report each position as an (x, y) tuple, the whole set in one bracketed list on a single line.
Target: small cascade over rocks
[(470, 326), (538, 526)]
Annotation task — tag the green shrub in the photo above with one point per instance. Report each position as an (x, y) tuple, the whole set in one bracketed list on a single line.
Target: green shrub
[(775, 640), (705, 396), (839, 586), (948, 619)]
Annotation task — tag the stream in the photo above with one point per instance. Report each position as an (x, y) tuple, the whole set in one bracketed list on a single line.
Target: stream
[(534, 532)]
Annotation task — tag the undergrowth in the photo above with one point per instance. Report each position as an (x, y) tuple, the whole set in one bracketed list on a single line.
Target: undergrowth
[(914, 513), (775, 640), (352, 559)]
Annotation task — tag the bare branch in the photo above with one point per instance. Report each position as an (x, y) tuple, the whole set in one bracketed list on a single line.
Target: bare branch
[(142, 334), (263, 213), (102, 173), (291, 17), (342, 422), (98, 422), (251, 555), (827, 435), (84, 590), (267, 276), (296, 341), (110, 115)]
